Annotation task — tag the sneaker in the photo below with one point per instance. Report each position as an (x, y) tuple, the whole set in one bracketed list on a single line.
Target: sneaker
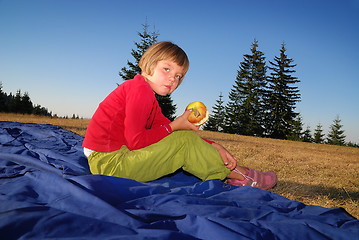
[(254, 178)]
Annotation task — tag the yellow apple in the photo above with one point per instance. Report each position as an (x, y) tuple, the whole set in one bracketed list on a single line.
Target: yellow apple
[(199, 114)]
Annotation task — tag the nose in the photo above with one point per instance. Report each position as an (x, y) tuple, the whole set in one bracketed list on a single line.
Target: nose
[(172, 78)]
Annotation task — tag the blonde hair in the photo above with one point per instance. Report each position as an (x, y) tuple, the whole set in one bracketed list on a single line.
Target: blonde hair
[(163, 51)]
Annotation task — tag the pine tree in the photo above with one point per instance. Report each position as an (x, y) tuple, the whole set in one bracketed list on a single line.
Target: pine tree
[(26, 104), (281, 96), (318, 134), (296, 131), (307, 135), (10, 103), (352, 144), (245, 109), (336, 134), (2, 99), (167, 106), (16, 102), (39, 110), (232, 117), (147, 40), (216, 118), (126, 73)]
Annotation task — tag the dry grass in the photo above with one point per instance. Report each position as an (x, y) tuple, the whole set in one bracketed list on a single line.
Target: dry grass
[(77, 126), (314, 174)]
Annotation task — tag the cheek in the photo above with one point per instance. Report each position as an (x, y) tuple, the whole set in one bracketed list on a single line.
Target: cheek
[(174, 87)]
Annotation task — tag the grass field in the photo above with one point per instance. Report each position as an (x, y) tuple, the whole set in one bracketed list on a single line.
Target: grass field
[(315, 174)]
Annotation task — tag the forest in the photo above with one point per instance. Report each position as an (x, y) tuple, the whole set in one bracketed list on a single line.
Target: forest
[(21, 103)]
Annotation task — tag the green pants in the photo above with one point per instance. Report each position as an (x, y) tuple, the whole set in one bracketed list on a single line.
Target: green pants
[(180, 149)]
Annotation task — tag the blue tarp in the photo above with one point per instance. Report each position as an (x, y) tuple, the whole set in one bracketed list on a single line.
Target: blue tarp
[(47, 191)]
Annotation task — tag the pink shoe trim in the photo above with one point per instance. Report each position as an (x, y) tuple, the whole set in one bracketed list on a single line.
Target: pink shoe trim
[(246, 177), (254, 178)]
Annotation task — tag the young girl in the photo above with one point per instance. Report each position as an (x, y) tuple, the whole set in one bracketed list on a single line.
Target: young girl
[(129, 137)]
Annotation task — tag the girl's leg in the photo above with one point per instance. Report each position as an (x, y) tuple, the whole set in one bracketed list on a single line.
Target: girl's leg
[(181, 149)]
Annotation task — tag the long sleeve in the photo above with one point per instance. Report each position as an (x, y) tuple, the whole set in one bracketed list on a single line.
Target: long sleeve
[(143, 118), (129, 115)]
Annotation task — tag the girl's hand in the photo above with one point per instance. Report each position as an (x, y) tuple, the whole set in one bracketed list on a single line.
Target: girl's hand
[(182, 123), (228, 159)]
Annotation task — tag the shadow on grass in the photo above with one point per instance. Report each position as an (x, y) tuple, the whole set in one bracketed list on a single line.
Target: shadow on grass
[(313, 191)]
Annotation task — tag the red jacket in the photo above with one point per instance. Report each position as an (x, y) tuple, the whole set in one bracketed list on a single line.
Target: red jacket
[(129, 115)]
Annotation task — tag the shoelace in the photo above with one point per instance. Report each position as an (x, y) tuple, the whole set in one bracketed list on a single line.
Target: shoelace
[(254, 183)]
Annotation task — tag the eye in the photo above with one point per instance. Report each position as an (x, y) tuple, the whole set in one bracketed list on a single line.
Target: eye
[(166, 69), (178, 77)]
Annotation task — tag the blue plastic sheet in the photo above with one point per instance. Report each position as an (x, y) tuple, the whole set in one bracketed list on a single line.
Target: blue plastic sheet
[(47, 191)]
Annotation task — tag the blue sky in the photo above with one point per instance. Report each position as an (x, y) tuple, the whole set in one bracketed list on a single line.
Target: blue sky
[(67, 54)]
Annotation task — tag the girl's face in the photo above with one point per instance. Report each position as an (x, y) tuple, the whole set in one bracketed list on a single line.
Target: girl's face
[(165, 78)]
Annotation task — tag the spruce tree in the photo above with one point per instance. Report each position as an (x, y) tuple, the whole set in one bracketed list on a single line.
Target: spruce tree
[(16, 102), (245, 111), (26, 104), (10, 103), (352, 144), (336, 134), (307, 135), (42, 111), (282, 96), (232, 117), (318, 134), (216, 118), (2, 99), (147, 40), (132, 69), (296, 131)]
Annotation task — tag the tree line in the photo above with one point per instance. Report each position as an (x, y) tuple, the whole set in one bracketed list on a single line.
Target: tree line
[(21, 103), (335, 135), (261, 102)]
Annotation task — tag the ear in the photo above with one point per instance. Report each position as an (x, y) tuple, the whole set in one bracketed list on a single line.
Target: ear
[(145, 75)]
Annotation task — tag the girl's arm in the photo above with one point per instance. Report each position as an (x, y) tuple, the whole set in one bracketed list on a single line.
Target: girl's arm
[(142, 115), (228, 159)]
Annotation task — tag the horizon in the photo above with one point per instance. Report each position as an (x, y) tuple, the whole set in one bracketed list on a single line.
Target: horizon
[(76, 116)]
